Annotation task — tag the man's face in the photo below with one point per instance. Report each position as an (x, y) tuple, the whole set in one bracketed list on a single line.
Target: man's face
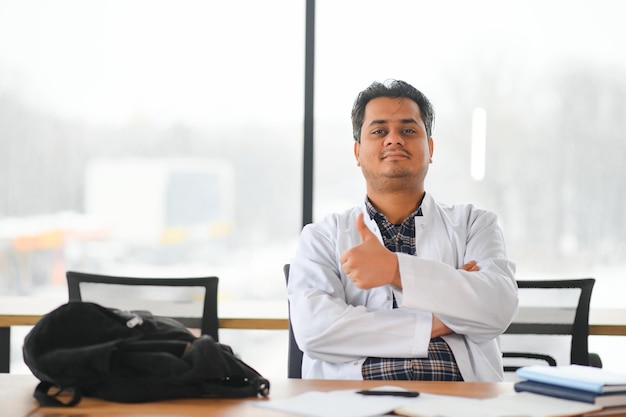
[(394, 152)]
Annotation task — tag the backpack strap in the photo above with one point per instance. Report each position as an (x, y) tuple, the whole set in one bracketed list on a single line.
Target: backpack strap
[(261, 385), (48, 395)]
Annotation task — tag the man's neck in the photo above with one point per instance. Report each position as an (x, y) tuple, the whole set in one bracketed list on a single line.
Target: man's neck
[(396, 206)]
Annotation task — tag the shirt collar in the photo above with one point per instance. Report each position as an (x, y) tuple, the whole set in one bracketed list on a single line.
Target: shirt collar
[(377, 216)]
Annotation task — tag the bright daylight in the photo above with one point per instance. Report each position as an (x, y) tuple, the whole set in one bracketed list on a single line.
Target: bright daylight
[(167, 140)]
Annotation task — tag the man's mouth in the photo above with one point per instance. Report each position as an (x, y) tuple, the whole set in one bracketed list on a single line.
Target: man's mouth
[(392, 155)]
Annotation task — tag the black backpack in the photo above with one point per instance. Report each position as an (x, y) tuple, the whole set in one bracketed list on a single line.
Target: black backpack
[(85, 349)]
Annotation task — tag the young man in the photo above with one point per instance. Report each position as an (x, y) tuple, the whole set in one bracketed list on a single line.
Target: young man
[(401, 287)]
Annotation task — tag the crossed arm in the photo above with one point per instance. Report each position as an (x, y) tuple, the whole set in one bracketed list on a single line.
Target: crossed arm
[(370, 265)]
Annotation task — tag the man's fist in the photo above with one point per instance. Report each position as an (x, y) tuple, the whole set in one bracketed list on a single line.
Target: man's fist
[(369, 264)]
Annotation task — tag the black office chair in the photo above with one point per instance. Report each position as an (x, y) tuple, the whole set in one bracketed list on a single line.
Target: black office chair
[(547, 319), (191, 301), (294, 355)]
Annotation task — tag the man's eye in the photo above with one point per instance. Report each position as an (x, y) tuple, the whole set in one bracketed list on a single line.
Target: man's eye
[(378, 132), (411, 131)]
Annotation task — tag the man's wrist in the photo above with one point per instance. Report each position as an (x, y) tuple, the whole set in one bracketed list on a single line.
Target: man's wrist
[(396, 280)]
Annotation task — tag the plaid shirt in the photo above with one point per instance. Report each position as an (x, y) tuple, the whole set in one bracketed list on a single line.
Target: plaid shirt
[(440, 364)]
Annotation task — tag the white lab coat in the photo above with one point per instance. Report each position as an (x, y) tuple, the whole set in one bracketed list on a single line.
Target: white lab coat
[(338, 325)]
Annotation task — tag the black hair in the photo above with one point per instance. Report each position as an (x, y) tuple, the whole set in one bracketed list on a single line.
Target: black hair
[(392, 89)]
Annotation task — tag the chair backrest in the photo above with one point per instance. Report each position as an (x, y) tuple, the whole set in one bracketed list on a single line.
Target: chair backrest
[(546, 314), (191, 301), (294, 355)]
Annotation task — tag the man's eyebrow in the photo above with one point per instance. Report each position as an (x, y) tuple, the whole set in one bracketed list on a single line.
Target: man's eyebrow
[(383, 121), (378, 122)]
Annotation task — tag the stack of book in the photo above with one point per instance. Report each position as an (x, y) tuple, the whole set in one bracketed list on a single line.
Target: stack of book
[(574, 382)]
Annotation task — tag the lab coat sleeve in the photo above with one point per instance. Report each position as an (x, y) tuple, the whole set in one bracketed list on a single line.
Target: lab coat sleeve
[(479, 305), (331, 318)]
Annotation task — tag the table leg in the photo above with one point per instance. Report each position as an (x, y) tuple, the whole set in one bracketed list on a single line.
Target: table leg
[(5, 349)]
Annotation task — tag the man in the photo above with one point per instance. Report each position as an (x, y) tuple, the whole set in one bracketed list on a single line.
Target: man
[(402, 287)]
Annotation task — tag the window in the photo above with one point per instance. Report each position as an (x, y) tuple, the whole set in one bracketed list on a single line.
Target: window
[(153, 138), (546, 83), (161, 137), (182, 121)]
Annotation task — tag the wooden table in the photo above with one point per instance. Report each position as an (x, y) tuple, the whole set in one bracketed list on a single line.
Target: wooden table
[(26, 311), (16, 399), (602, 321), (607, 322)]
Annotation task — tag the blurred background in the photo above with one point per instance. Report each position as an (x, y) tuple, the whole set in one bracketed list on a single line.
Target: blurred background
[(165, 138)]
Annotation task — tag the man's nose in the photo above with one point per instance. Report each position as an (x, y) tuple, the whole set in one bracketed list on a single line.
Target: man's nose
[(394, 138)]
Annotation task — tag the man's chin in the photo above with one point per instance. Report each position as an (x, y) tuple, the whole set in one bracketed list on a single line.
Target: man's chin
[(398, 174)]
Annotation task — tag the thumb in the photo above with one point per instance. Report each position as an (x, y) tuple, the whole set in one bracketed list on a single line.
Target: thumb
[(365, 233)]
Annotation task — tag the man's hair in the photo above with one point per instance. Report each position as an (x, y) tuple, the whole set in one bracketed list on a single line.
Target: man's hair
[(392, 89)]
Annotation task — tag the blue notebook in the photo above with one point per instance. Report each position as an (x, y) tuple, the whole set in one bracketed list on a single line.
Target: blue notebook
[(585, 378), (611, 399)]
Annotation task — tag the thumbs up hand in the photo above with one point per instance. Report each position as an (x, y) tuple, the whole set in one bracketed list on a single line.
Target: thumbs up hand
[(369, 264)]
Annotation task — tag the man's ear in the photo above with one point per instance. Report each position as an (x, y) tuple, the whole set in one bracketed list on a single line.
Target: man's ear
[(431, 148), (357, 149)]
